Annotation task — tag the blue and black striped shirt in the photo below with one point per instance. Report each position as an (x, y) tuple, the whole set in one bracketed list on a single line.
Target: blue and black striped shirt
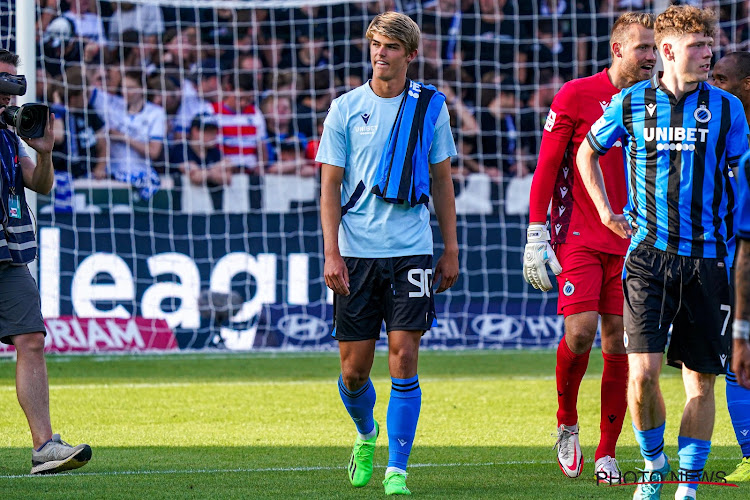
[(743, 204), (678, 158)]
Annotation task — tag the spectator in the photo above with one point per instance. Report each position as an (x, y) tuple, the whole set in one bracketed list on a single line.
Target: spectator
[(144, 18), (87, 24), (534, 115), (112, 72), (286, 149), (490, 39), (550, 51), (95, 78), (499, 133), (196, 99), (291, 159), (448, 24), (180, 55), (136, 131), (250, 65), (200, 158), (312, 51), (283, 82), (80, 145), (164, 92), (76, 36), (241, 125), (316, 100), (45, 85), (135, 53), (221, 31)]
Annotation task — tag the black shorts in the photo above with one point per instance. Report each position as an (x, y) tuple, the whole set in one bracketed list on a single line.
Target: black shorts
[(20, 308), (396, 289), (692, 295)]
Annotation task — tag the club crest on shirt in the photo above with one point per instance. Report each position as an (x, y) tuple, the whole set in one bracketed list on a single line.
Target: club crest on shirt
[(365, 117), (568, 289), (702, 114)]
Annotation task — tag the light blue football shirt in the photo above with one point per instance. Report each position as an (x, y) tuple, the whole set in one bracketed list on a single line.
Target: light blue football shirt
[(355, 134)]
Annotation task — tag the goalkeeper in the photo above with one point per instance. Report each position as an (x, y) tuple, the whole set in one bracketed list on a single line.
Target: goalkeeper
[(587, 256)]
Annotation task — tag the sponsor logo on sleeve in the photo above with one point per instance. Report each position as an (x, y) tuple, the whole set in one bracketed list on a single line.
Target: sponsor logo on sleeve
[(551, 117)]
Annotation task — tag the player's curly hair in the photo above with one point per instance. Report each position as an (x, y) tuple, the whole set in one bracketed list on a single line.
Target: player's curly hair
[(680, 20), (396, 26)]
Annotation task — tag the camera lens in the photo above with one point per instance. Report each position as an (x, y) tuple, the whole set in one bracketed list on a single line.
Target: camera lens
[(27, 120)]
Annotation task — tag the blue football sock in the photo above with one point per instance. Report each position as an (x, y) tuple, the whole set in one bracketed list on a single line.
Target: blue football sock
[(403, 414), (738, 402), (651, 443), (693, 454), (359, 404)]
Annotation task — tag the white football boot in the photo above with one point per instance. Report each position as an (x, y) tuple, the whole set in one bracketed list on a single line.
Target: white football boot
[(607, 471), (569, 455)]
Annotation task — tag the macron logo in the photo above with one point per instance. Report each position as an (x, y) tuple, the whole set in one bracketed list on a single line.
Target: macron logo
[(365, 117), (604, 105), (402, 442)]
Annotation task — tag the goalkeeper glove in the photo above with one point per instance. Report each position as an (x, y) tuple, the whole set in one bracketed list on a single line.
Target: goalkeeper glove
[(537, 254)]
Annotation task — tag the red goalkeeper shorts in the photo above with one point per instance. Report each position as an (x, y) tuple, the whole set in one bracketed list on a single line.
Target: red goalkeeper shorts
[(590, 281)]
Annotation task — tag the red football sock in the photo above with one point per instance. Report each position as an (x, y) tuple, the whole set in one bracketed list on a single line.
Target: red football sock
[(569, 373), (614, 402)]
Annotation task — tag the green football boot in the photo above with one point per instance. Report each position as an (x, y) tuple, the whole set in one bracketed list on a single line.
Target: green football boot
[(395, 484), (649, 485), (741, 474), (360, 464)]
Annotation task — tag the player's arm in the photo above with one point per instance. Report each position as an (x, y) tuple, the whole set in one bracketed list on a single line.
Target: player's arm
[(741, 326), (332, 157), (558, 131), (604, 133), (444, 199), (334, 269), (591, 173)]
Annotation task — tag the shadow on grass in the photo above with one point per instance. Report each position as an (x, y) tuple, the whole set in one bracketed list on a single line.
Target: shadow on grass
[(319, 472), (304, 366)]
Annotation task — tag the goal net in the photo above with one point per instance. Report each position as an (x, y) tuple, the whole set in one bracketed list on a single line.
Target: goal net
[(186, 188)]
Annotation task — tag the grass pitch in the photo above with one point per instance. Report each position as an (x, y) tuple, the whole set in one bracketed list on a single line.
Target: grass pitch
[(273, 426)]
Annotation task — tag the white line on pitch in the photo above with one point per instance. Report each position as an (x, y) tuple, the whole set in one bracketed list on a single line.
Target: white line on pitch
[(303, 469), (250, 383)]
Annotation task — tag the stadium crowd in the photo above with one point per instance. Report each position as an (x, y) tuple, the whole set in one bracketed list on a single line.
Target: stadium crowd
[(147, 91)]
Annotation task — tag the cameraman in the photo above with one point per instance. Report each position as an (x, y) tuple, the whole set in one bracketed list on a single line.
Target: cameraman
[(21, 321)]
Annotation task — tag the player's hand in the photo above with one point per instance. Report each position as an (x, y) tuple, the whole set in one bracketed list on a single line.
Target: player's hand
[(446, 272), (741, 362), (336, 274), (618, 224), (537, 254)]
